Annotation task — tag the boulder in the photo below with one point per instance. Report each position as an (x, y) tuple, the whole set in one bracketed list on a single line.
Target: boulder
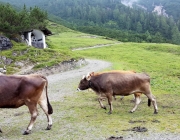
[(5, 43)]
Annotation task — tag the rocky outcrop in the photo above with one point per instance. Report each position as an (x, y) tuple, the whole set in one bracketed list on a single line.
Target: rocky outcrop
[(5, 60), (61, 67), (159, 10), (5, 43)]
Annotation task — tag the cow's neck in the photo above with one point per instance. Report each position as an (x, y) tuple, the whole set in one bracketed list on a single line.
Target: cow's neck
[(90, 84), (93, 86)]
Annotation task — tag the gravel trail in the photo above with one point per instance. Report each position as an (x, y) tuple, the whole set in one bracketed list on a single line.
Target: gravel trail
[(65, 83)]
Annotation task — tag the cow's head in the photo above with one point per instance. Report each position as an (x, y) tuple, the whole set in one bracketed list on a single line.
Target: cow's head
[(84, 83)]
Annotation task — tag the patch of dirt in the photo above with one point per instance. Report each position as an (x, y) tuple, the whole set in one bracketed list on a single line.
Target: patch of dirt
[(96, 46), (139, 121), (155, 121), (115, 138), (19, 113), (137, 129), (167, 107), (88, 36)]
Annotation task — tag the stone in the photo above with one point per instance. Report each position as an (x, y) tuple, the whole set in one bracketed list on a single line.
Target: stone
[(5, 43)]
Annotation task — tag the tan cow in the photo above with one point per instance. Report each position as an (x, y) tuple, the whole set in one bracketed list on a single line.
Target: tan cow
[(19, 90), (136, 95), (114, 83)]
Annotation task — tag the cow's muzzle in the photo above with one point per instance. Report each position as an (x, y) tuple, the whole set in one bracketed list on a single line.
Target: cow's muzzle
[(78, 89)]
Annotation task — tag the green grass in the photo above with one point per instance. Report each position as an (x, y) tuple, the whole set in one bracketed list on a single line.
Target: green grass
[(88, 111), (60, 46), (163, 67), (71, 40), (67, 39), (30, 55), (79, 116)]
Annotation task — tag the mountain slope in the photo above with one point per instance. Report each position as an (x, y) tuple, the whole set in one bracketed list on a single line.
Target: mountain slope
[(134, 24), (170, 7)]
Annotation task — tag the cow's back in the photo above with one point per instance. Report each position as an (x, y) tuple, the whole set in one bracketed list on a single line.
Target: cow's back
[(15, 89), (119, 83)]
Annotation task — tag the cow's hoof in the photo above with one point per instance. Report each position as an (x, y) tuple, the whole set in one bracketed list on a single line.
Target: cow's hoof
[(27, 132), (0, 131), (131, 111), (104, 107), (155, 112), (49, 127), (109, 113)]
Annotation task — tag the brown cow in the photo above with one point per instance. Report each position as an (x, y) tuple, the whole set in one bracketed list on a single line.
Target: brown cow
[(112, 83), (19, 90), (137, 95)]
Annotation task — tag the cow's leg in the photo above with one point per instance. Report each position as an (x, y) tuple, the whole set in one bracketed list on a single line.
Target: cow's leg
[(153, 100), (114, 97), (110, 103), (122, 97), (33, 111), (100, 102), (44, 106), (134, 97), (137, 101)]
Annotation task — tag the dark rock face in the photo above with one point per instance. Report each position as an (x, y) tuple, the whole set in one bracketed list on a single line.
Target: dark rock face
[(5, 43)]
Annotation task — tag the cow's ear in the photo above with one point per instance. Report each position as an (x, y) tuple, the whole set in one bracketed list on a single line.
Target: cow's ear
[(88, 77), (92, 74), (83, 77)]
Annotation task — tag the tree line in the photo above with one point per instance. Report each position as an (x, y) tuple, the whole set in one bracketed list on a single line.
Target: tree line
[(102, 17), (111, 14), (14, 22)]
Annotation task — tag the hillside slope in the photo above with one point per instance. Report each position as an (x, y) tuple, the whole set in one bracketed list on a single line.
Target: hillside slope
[(21, 57)]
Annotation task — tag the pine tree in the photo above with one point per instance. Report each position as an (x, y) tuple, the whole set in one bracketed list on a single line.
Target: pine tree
[(139, 27), (148, 36), (175, 35)]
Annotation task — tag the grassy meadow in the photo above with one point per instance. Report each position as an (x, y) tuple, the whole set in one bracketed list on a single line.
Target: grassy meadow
[(79, 116), (161, 62), (83, 118)]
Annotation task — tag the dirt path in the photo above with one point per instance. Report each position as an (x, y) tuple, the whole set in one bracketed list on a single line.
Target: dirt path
[(65, 83), (96, 46)]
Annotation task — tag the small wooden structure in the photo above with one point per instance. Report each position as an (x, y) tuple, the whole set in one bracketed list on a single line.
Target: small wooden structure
[(36, 38)]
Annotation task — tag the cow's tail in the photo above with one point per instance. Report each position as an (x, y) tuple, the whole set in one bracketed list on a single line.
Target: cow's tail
[(50, 109), (149, 102)]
